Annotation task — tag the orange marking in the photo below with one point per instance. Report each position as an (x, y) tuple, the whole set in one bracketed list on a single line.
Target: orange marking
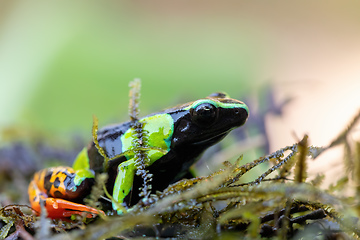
[(61, 176), (56, 207)]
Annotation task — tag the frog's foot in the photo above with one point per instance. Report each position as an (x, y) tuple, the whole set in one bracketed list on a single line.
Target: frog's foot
[(60, 208)]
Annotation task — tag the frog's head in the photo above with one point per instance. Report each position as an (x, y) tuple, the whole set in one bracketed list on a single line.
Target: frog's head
[(204, 122)]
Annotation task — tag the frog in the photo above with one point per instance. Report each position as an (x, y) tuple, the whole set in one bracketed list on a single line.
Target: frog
[(176, 138)]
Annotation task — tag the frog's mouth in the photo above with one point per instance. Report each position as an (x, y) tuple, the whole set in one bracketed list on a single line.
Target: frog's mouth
[(212, 140)]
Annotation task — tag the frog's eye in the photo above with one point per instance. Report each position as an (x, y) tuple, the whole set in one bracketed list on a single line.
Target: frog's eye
[(204, 114)]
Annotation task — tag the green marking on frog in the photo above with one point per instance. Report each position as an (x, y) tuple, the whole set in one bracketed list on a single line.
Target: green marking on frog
[(81, 167), (216, 104), (123, 183), (159, 129)]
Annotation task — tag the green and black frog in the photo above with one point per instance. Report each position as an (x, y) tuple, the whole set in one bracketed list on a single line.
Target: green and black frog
[(176, 138)]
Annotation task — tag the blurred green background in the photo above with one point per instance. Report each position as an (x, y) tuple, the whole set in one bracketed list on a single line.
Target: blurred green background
[(61, 63)]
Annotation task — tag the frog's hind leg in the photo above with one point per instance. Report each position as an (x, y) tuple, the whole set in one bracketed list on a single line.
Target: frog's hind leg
[(57, 187)]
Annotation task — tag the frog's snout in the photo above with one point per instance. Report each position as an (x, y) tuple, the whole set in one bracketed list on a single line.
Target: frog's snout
[(242, 114)]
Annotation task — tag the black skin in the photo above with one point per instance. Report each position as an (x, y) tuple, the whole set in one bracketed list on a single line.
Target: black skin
[(191, 138)]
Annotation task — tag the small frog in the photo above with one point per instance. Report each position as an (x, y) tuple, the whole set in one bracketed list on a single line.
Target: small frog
[(176, 137)]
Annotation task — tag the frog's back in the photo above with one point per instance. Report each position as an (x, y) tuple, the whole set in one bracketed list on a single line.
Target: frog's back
[(109, 139), (117, 139)]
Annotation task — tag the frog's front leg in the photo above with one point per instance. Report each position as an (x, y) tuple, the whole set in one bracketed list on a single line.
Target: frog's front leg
[(123, 184), (57, 187)]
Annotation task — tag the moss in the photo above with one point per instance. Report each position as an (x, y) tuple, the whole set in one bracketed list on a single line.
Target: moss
[(221, 205)]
